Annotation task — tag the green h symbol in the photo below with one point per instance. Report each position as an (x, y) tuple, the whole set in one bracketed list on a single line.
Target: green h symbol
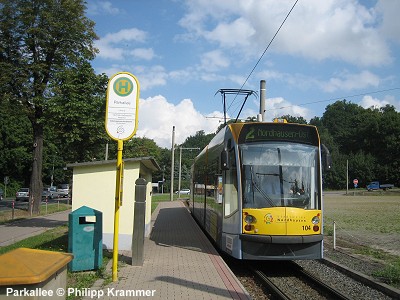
[(123, 86)]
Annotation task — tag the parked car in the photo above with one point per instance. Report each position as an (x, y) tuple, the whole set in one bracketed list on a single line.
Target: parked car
[(49, 192), (183, 192), (63, 190), (22, 194), (376, 185)]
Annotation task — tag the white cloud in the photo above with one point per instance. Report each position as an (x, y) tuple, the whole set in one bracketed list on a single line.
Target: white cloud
[(222, 33), (143, 53), (389, 9), (126, 35), (108, 7), (214, 61), (351, 81), (318, 30), (117, 45), (151, 76), (148, 77), (277, 107), (369, 101), (98, 7), (157, 116)]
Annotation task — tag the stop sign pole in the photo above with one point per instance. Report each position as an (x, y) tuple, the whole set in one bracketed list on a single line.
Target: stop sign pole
[(121, 125)]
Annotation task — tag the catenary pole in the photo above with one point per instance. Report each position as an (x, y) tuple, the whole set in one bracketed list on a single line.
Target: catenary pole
[(172, 164)]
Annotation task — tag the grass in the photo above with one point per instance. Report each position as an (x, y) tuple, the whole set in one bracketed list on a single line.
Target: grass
[(391, 273), (362, 213), (86, 279), (367, 224), (360, 220), (157, 198), (52, 240), (57, 240)]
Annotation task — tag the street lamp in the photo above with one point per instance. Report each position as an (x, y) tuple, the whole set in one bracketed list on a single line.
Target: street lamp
[(180, 166)]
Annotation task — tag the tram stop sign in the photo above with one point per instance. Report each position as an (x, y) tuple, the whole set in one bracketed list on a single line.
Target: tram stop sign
[(122, 106)]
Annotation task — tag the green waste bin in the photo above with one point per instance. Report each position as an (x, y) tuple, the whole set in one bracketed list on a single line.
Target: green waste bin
[(85, 239)]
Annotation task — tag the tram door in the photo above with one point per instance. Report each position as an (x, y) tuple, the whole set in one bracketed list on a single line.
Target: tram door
[(231, 224)]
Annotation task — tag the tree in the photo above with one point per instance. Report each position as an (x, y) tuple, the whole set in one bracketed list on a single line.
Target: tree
[(39, 39), (15, 149), (199, 140), (141, 147), (291, 119), (343, 120), (368, 138), (76, 113)]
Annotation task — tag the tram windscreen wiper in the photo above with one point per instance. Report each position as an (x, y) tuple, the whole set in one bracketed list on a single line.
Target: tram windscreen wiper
[(280, 175), (260, 190)]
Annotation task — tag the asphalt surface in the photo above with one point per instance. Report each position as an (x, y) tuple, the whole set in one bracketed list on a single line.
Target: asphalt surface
[(13, 232)]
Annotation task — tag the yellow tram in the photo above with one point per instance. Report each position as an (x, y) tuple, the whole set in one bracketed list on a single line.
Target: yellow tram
[(257, 190)]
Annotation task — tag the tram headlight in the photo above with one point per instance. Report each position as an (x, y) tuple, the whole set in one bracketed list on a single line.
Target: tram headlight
[(315, 220), (249, 219)]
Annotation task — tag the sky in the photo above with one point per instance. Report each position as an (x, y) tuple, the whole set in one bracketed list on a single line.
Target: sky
[(311, 53)]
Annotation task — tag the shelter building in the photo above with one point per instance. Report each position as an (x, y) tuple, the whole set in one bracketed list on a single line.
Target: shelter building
[(93, 185)]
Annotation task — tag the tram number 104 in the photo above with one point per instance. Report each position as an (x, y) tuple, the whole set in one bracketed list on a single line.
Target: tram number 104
[(306, 228)]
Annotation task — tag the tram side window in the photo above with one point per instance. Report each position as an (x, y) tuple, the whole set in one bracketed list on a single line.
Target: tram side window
[(231, 193), (199, 185)]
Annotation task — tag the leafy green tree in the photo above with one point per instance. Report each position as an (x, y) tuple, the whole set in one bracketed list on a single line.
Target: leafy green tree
[(251, 119), (292, 119), (76, 113), (388, 144), (39, 39), (15, 148), (368, 139), (142, 147), (222, 125), (199, 140), (164, 161), (343, 120)]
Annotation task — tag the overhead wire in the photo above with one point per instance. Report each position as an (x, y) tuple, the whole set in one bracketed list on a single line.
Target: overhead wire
[(320, 101), (265, 50)]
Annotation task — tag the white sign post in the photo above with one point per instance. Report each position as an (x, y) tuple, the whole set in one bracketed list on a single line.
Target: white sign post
[(122, 106)]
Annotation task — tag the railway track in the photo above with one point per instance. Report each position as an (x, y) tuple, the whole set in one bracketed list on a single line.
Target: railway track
[(306, 280), (296, 283)]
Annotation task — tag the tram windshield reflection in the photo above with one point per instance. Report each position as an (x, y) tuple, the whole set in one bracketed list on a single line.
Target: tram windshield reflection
[(279, 174)]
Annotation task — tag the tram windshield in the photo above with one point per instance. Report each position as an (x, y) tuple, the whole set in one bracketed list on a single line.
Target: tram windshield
[(279, 174)]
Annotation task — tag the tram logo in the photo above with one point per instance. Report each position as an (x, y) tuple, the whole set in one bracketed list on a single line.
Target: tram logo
[(250, 134), (268, 218)]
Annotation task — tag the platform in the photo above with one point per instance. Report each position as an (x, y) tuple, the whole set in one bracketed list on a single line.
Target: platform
[(179, 263)]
